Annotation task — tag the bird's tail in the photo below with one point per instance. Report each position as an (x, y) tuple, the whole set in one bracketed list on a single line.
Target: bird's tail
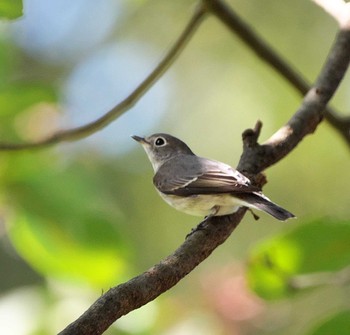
[(259, 201)]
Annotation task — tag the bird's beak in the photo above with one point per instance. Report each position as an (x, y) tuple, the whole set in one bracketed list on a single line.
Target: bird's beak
[(139, 139)]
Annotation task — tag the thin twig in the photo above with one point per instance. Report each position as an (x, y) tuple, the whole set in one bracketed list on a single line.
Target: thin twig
[(91, 128), (266, 53), (303, 281)]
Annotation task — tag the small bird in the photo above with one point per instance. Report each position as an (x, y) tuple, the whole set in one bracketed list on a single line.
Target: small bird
[(201, 186)]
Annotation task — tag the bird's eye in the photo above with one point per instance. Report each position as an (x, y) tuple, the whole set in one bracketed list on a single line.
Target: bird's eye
[(159, 142)]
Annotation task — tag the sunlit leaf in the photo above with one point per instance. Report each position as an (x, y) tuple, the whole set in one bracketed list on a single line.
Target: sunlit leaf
[(11, 9), (321, 246), (8, 61), (338, 324), (15, 98), (64, 224), (15, 101), (52, 252)]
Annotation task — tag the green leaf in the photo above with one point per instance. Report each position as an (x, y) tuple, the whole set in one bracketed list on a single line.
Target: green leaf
[(11, 9), (52, 252), (338, 324), (320, 246), (63, 222), (8, 61), (15, 98)]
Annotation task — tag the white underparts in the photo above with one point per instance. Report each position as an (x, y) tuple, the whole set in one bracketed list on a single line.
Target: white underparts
[(206, 204)]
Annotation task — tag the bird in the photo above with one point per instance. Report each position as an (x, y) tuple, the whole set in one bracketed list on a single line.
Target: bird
[(200, 186)]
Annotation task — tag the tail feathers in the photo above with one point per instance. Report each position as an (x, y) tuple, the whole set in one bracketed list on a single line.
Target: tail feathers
[(259, 201)]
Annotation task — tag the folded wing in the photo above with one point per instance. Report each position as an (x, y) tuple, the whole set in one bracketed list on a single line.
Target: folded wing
[(200, 176)]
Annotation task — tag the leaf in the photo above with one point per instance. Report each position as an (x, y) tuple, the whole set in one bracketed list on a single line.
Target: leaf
[(63, 223), (8, 60), (52, 252), (15, 98), (320, 246), (11, 9), (338, 324), (20, 104)]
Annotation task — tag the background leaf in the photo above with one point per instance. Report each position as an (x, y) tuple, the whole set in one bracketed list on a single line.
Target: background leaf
[(64, 226), (338, 324), (320, 246), (11, 9)]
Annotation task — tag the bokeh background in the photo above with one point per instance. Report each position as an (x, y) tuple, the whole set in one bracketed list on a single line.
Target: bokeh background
[(79, 218)]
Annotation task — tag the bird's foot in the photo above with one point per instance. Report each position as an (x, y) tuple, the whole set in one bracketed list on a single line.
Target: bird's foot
[(200, 226)]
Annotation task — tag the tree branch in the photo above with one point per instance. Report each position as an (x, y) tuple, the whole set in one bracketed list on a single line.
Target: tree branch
[(311, 111), (144, 288), (244, 32), (266, 53), (91, 128)]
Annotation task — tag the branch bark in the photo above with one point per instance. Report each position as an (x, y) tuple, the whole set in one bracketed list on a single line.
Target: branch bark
[(267, 54), (142, 289), (308, 116)]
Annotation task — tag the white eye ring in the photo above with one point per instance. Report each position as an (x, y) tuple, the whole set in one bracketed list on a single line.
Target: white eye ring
[(160, 142)]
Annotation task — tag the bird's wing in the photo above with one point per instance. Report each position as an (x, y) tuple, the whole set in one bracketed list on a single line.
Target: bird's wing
[(200, 176)]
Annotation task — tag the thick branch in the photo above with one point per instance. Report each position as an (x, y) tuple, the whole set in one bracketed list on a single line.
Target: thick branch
[(138, 291), (144, 288), (310, 113), (91, 128), (266, 53)]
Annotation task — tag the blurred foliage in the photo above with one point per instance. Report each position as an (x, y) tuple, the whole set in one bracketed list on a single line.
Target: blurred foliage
[(11, 9), (338, 324), (316, 247), (56, 215), (81, 217)]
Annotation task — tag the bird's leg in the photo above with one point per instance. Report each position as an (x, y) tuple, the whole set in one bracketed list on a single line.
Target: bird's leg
[(201, 225), (256, 217)]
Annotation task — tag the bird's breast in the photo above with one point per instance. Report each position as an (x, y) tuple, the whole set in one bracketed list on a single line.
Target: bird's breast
[(204, 204)]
